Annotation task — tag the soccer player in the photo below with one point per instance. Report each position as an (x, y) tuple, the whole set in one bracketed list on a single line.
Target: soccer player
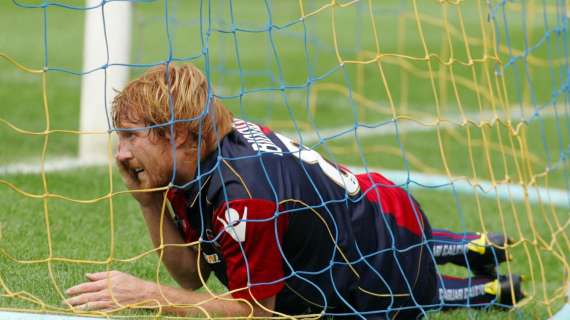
[(285, 230)]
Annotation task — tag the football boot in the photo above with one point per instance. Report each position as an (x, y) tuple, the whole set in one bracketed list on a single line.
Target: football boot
[(506, 289), (486, 253)]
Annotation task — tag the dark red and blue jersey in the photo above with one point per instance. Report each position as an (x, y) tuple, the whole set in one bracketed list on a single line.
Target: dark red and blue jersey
[(275, 218)]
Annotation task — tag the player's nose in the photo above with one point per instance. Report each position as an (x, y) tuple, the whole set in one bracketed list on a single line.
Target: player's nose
[(123, 152)]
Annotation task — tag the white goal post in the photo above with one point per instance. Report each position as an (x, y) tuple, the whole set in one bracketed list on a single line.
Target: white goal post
[(107, 43)]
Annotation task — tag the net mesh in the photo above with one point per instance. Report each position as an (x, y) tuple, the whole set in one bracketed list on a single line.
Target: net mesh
[(463, 103)]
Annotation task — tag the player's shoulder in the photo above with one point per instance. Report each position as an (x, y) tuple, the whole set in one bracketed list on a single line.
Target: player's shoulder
[(252, 138), (233, 182), (248, 157)]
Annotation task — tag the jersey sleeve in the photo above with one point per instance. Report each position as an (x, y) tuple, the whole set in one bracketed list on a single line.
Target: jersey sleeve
[(250, 234)]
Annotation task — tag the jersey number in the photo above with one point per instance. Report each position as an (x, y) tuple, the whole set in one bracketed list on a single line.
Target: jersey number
[(343, 178)]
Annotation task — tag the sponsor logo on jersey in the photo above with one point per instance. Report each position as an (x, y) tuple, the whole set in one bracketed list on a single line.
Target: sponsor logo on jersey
[(212, 258), (234, 225), (255, 136)]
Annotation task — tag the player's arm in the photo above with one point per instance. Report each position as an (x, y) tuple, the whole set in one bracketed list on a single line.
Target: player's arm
[(250, 233), (180, 261), (105, 289), (229, 307)]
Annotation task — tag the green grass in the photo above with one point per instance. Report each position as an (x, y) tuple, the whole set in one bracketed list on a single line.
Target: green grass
[(299, 56)]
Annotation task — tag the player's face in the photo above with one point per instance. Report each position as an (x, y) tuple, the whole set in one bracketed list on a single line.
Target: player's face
[(146, 158)]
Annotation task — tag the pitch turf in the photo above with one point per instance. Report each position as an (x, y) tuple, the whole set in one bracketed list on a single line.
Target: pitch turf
[(292, 73)]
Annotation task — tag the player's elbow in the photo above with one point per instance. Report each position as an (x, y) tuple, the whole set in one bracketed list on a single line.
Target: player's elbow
[(265, 307), (194, 278), (193, 281)]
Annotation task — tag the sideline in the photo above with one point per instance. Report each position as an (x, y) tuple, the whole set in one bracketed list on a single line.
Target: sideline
[(516, 192), (446, 121), (6, 315)]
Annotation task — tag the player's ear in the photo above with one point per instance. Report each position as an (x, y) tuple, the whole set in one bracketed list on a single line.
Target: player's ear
[(181, 135)]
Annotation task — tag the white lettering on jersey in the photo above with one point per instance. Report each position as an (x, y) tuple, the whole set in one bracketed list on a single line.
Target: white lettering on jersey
[(255, 136), (461, 293), (234, 225), (260, 142), (343, 178), (449, 250)]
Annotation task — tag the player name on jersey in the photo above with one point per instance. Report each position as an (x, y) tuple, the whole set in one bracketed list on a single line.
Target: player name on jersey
[(255, 136)]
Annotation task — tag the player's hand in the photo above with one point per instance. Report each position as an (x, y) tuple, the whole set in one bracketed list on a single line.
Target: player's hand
[(145, 198), (111, 290)]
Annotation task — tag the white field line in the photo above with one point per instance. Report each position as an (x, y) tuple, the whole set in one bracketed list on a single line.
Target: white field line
[(517, 114), (516, 192), (61, 164), (419, 125), (564, 312), (5, 315), (486, 188)]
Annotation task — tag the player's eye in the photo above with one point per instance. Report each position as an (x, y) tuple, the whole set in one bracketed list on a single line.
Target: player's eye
[(126, 135)]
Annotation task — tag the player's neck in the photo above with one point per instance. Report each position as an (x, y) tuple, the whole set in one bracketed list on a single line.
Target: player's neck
[(185, 165)]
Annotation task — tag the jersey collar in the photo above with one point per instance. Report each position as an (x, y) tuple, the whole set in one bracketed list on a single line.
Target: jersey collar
[(202, 178)]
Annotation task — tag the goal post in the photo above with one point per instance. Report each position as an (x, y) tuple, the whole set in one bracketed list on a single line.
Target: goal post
[(106, 54)]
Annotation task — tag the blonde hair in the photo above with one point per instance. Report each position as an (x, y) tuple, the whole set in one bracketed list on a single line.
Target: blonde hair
[(146, 99)]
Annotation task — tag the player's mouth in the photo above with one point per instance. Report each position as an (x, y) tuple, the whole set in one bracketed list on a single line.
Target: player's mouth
[(137, 171)]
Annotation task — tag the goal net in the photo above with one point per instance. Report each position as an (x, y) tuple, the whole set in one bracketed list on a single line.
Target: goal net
[(463, 104)]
